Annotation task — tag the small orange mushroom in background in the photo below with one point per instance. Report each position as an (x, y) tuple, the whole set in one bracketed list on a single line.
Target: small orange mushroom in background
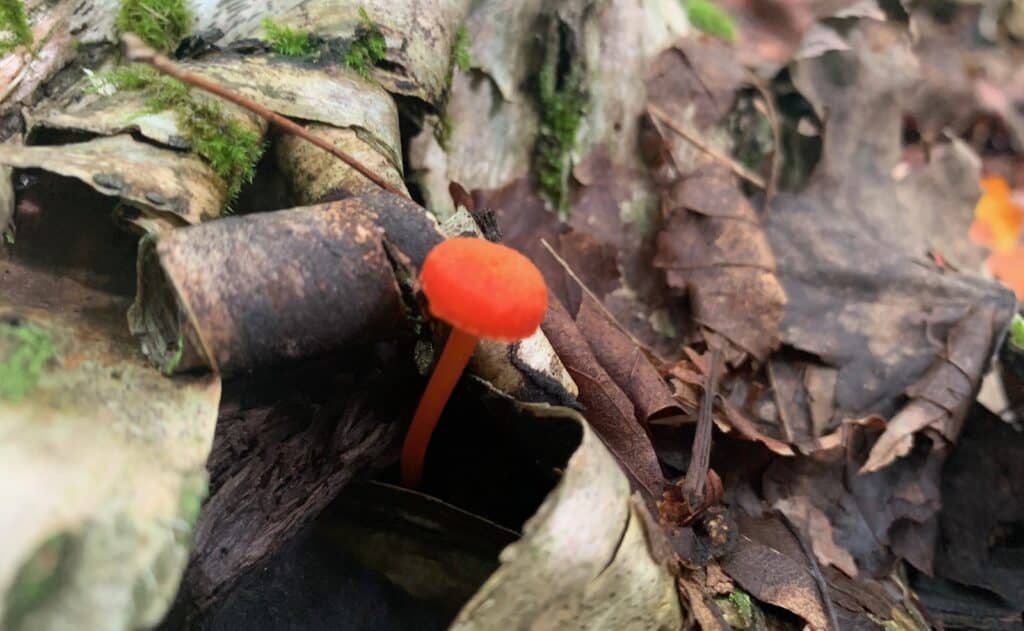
[(1008, 267), (484, 290), (998, 221)]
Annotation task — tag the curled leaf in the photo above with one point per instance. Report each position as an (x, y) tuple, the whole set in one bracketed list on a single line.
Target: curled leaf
[(572, 569), (174, 187)]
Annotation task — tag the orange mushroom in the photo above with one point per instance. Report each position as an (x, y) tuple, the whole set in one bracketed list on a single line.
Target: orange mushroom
[(484, 290), (998, 219)]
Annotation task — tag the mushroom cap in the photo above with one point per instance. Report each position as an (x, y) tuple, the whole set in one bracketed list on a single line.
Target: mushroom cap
[(486, 289)]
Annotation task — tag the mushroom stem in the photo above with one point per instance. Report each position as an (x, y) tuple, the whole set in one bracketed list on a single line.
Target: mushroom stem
[(457, 351)]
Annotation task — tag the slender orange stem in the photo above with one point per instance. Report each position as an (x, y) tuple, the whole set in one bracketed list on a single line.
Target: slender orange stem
[(457, 351)]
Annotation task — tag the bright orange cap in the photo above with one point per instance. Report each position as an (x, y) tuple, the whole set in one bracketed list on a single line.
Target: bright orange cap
[(486, 289)]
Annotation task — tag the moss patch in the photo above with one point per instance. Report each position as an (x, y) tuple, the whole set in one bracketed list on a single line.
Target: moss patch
[(194, 489), (562, 100), (290, 42), (367, 48), (443, 130), (160, 23), (708, 18), (14, 29), (37, 579), (460, 49), (738, 610), (1017, 331), (230, 149), (24, 350), (459, 59), (361, 53)]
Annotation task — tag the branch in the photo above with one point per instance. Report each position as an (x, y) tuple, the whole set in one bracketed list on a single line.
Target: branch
[(136, 50), (696, 141)]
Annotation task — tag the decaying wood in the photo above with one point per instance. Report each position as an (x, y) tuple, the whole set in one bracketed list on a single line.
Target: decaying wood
[(443, 553), (248, 291), (274, 467), (316, 175)]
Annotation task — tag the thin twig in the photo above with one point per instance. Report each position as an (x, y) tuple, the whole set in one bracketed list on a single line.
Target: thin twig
[(136, 50), (819, 578), (700, 453), (651, 355), (773, 121), (736, 167)]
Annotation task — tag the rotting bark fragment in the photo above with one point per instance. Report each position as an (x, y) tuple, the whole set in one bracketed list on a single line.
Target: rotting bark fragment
[(248, 291), (119, 166), (273, 469)]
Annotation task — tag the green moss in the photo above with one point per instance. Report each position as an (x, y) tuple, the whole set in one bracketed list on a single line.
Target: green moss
[(290, 42), (9, 237), (14, 29), (739, 611), (460, 49), (24, 350), (194, 489), (230, 149), (744, 605), (160, 23), (133, 77), (1017, 331), (459, 59), (563, 102), (367, 48), (443, 130), (174, 358), (37, 579), (708, 18)]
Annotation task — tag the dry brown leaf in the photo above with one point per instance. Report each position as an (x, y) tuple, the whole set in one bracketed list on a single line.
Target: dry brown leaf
[(804, 392), (627, 364), (819, 479), (773, 577), (571, 570), (940, 399), (851, 249), (812, 521), (608, 410), (711, 245), (982, 504)]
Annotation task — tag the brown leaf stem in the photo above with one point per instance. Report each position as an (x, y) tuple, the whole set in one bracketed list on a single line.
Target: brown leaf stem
[(136, 50)]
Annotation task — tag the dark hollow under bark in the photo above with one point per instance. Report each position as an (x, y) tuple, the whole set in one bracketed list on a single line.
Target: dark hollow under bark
[(287, 442)]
